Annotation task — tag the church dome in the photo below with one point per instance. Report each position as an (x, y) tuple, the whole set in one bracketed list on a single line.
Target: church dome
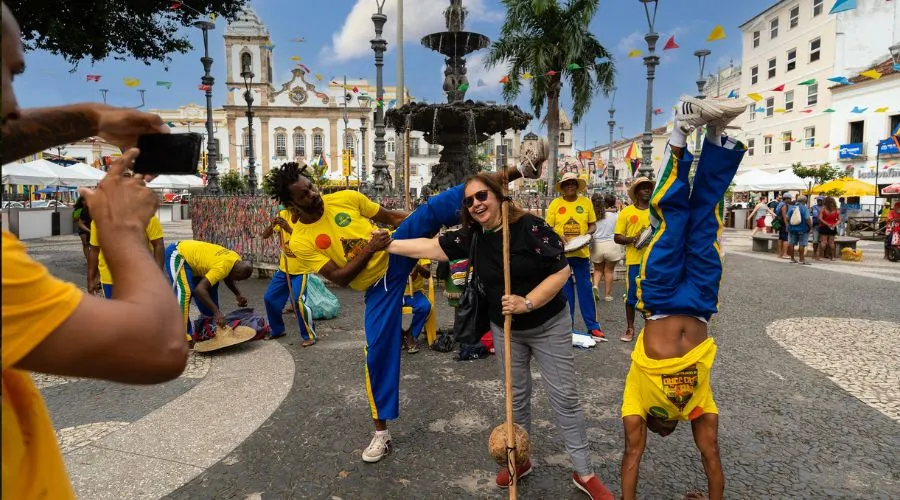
[(247, 23)]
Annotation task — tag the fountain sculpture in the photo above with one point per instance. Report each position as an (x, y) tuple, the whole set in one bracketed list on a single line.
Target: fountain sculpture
[(458, 124)]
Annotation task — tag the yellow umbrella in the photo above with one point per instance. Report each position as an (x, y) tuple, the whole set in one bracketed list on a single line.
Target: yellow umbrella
[(847, 186)]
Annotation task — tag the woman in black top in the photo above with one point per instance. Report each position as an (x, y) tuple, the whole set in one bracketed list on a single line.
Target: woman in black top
[(541, 325), (83, 219)]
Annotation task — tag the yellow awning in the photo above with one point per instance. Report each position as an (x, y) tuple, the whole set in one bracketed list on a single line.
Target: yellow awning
[(847, 186)]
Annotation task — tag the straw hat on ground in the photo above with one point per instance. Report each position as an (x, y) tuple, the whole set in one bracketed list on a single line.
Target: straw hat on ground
[(634, 185), (225, 337), (571, 176)]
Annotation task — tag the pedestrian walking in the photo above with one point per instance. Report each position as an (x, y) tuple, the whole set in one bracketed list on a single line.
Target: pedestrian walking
[(605, 252)]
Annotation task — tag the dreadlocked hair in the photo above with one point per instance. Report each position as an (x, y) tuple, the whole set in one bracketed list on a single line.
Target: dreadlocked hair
[(278, 181)]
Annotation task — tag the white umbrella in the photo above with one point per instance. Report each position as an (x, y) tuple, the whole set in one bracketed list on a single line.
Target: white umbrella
[(176, 182), (752, 180), (86, 169), (66, 176), (785, 179), (29, 175)]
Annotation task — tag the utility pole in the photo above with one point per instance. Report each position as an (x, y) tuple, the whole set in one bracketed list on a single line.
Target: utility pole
[(401, 151)]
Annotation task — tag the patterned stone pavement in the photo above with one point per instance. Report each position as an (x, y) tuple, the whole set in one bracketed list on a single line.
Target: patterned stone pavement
[(806, 380)]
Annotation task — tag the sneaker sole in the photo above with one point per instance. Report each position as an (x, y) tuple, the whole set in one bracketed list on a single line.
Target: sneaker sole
[(709, 111), (541, 150), (582, 488), (600, 339), (369, 460), (522, 475)]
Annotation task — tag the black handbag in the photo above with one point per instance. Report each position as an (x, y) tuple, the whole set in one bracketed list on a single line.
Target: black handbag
[(471, 322)]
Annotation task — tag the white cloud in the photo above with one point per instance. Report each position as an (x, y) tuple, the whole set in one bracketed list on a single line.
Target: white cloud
[(634, 40), (478, 71), (420, 17)]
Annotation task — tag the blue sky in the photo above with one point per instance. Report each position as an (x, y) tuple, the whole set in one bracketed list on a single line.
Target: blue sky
[(336, 37)]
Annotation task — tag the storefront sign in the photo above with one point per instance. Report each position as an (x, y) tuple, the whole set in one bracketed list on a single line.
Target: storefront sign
[(888, 147), (888, 175), (853, 150)]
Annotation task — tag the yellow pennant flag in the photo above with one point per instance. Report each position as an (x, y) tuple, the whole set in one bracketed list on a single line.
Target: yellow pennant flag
[(873, 74), (717, 33), (526, 76), (131, 82), (881, 110), (780, 110), (635, 53), (756, 97), (319, 76), (295, 58), (212, 17)]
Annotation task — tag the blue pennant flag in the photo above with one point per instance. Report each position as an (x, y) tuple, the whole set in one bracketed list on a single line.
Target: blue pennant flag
[(842, 6), (732, 94), (840, 79), (856, 109), (760, 109)]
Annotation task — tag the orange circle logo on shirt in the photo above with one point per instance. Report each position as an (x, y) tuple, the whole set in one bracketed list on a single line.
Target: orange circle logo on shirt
[(633, 219), (323, 241), (562, 210)]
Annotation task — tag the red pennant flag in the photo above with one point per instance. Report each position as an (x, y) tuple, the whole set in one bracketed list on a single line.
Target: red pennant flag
[(93, 78), (826, 146), (671, 44), (505, 79), (779, 88), (657, 111), (204, 87), (355, 90), (806, 111), (549, 73), (175, 5)]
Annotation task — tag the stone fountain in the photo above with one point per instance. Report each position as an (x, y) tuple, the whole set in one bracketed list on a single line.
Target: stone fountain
[(458, 124)]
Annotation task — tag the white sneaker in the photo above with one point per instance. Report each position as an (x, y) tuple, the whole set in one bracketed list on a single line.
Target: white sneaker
[(692, 112), (379, 448), (533, 158)]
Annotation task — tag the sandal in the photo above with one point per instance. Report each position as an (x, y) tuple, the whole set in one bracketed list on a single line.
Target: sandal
[(308, 343), (628, 336)]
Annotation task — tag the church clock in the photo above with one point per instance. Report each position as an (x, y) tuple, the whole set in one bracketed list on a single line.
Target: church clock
[(298, 95)]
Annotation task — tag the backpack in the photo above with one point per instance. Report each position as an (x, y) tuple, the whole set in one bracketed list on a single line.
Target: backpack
[(319, 299), (796, 218), (444, 342), (469, 352)]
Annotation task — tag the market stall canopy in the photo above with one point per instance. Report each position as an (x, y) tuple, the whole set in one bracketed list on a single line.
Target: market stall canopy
[(88, 170), (65, 176), (23, 174), (786, 179), (176, 182), (752, 180), (847, 186)]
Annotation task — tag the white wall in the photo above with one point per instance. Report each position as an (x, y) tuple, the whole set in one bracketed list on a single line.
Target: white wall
[(864, 35)]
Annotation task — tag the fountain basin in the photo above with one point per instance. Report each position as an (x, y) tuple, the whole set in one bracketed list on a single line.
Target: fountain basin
[(456, 43), (476, 121)]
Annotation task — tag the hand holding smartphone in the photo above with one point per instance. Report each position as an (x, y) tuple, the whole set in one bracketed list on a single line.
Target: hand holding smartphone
[(175, 154)]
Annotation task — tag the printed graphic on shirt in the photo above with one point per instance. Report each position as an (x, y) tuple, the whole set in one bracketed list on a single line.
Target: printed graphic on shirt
[(352, 247), (342, 219), (679, 387), (571, 228), (659, 412), (579, 209), (561, 210), (323, 241)]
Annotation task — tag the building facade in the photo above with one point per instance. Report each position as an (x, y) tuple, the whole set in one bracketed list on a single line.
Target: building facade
[(618, 174)]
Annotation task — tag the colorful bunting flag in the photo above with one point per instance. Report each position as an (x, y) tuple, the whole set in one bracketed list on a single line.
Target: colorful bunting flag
[(204, 87), (670, 44), (760, 109), (93, 78), (295, 58), (840, 79), (873, 74), (392, 103), (505, 79), (826, 146), (842, 6), (657, 111), (717, 33), (829, 110), (463, 87), (756, 97), (319, 76), (167, 85), (550, 73), (303, 67), (806, 111), (526, 76), (811, 81), (170, 124), (881, 110), (379, 102), (269, 46), (573, 66), (896, 67), (779, 88), (131, 82), (298, 39), (635, 53), (732, 94), (780, 110), (480, 83), (355, 90), (856, 109), (175, 5), (212, 17)]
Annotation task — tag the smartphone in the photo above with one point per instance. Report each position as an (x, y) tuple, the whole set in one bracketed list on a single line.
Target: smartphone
[(177, 154)]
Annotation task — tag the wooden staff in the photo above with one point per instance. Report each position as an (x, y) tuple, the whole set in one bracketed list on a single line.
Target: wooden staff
[(507, 344), (287, 276)]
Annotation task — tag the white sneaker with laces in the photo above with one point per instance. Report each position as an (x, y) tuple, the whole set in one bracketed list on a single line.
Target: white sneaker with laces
[(378, 448), (533, 159), (692, 112)]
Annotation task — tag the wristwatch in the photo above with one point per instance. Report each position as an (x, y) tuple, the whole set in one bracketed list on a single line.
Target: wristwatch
[(528, 304)]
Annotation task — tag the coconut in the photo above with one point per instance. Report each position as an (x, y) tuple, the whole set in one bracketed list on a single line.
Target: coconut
[(497, 444)]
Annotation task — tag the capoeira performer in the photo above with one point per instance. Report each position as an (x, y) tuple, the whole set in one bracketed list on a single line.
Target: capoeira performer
[(678, 292), (336, 236)]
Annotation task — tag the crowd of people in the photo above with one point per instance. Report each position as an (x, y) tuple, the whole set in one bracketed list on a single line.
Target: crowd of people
[(667, 237)]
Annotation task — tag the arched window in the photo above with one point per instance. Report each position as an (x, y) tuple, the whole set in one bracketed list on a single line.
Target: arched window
[(246, 62), (299, 143), (562, 137), (318, 143), (280, 143)]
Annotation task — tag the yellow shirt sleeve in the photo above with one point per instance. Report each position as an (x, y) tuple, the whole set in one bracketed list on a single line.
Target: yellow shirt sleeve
[(95, 240), (622, 221), (367, 207), (34, 302), (154, 229)]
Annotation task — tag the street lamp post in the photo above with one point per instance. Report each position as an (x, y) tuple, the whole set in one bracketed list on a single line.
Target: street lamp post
[(366, 103), (701, 56), (248, 76), (651, 60), (611, 181), (212, 173), (379, 46)]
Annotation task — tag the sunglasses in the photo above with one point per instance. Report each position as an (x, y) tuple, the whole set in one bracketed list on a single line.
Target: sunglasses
[(481, 196)]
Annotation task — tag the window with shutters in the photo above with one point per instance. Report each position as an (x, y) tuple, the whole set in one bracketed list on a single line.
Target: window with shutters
[(299, 143), (280, 143), (817, 7), (751, 110)]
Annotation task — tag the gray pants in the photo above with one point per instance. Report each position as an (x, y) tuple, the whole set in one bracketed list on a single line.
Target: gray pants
[(551, 346)]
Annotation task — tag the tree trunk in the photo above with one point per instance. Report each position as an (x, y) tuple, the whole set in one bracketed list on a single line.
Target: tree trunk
[(553, 134)]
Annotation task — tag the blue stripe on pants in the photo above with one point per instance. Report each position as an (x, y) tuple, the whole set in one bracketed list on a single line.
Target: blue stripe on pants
[(384, 299), (277, 295), (107, 290), (421, 307), (579, 283), (682, 267)]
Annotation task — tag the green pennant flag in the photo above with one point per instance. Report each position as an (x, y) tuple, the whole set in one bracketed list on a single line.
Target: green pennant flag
[(573, 67), (160, 83), (811, 81), (463, 87), (829, 110)]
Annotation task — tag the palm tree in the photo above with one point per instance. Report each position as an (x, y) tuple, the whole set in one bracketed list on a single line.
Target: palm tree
[(552, 42)]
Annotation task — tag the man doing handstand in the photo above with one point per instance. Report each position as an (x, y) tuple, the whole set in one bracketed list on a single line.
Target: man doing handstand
[(678, 289)]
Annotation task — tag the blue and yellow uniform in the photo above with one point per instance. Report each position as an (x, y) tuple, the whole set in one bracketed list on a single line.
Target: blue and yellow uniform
[(570, 219), (277, 293), (415, 297), (153, 231)]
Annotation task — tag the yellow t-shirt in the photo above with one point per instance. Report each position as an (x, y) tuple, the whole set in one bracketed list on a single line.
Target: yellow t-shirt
[(630, 223), (571, 218), (670, 389), (342, 231), (208, 260), (154, 232), (287, 263), (418, 284), (34, 305)]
